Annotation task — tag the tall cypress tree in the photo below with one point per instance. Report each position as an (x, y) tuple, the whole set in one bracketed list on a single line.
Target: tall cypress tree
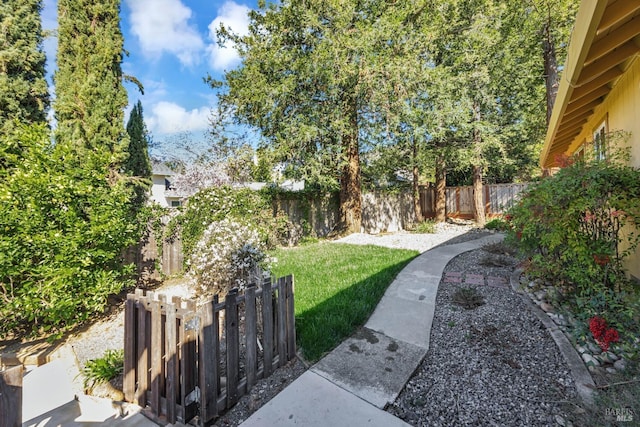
[(23, 89), (138, 164), (90, 97)]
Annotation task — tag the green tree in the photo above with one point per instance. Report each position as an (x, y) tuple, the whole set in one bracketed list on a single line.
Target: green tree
[(138, 164), (309, 73), (90, 97), (23, 89)]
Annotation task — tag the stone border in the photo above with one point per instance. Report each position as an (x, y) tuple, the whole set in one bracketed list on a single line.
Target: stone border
[(585, 385)]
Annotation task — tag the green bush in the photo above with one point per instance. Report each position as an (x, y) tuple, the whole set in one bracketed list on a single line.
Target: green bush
[(63, 234), (570, 227), (215, 204), (497, 224)]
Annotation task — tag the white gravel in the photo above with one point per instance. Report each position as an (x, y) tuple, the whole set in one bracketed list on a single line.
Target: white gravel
[(415, 241)]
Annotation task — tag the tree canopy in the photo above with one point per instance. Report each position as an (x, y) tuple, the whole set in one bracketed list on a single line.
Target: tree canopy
[(24, 95)]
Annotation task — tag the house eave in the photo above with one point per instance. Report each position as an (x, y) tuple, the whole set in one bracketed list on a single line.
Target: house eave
[(605, 39)]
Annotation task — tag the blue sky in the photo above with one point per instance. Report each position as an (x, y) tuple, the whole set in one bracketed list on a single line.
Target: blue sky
[(172, 46)]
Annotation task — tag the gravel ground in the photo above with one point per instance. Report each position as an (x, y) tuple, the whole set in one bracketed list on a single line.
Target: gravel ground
[(446, 233), (494, 365), (488, 366)]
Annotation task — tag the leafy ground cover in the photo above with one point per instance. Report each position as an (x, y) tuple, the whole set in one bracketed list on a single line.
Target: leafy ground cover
[(337, 287)]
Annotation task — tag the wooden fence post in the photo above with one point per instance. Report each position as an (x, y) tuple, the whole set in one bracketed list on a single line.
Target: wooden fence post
[(282, 322), (142, 350), (251, 331), (156, 356), (267, 327), (231, 330), (11, 397), (291, 319), (130, 362), (171, 345), (208, 359)]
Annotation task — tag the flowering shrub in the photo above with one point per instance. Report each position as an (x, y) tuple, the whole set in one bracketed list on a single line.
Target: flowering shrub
[(228, 255), (241, 205), (604, 336), (576, 228)]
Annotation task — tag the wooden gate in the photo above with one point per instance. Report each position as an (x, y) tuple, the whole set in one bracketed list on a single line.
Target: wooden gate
[(497, 199), (182, 360)]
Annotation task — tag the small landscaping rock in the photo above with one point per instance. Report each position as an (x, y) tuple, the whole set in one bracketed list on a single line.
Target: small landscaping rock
[(546, 307), (541, 295), (620, 365), (611, 370), (560, 421), (589, 360), (594, 348)]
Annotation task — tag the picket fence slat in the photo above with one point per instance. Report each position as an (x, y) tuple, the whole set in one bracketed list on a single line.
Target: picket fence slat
[(129, 382), (232, 336), (282, 319), (267, 327), (290, 317), (171, 344), (173, 367), (251, 331)]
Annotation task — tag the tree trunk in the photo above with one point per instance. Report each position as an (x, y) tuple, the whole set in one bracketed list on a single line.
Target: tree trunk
[(441, 186), (478, 202), (350, 190), (552, 80), (416, 183), (478, 199)]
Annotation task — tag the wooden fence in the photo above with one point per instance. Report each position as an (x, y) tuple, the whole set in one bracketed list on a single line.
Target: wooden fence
[(497, 199), (182, 360), (11, 397)]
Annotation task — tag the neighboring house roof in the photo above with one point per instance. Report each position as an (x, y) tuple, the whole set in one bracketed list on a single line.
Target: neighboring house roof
[(161, 169), (605, 40)]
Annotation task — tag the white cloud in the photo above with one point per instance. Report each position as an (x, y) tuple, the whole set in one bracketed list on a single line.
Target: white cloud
[(163, 26), (234, 18), (168, 117)]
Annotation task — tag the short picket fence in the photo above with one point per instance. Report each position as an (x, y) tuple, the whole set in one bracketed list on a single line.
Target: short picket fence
[(183, 360)]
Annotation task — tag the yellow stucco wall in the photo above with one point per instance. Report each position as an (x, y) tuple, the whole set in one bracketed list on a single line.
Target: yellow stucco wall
[(621, 110)]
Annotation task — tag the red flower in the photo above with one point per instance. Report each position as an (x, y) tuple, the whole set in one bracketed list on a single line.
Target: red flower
[(611, 336), (597, 326), (601, 259), (604, 336), (508, 217)]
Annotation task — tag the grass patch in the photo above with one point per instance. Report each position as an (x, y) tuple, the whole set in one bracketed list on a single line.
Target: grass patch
[(425, 227), (337, 287)]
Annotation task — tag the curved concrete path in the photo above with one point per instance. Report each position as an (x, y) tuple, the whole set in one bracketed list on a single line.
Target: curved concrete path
[(351, 385)]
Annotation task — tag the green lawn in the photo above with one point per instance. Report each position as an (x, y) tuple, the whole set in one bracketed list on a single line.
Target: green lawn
[(337, 287)]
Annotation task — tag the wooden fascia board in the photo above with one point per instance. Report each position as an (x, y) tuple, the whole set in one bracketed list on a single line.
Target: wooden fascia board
[(584, 31)]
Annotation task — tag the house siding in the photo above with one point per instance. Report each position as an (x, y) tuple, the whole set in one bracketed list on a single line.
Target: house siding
[(621, 110)]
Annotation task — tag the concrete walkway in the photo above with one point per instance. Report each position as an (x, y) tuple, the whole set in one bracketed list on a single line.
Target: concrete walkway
[(351, 385), (52, 396)]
